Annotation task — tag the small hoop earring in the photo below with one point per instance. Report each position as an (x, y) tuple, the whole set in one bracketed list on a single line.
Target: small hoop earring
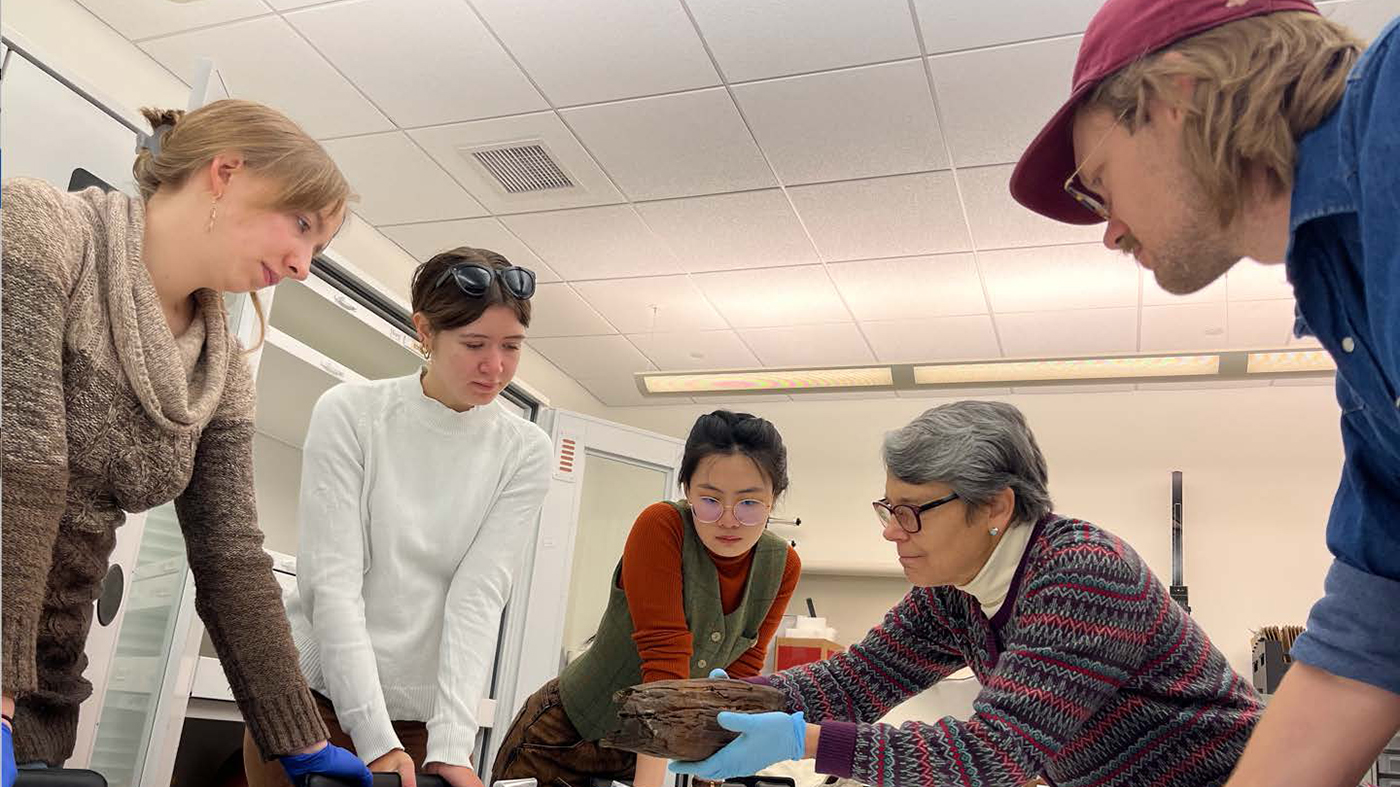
[(996, 531)]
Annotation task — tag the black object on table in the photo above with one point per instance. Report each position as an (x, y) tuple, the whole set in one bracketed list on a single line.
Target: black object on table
[(59, 777), (380, 780)]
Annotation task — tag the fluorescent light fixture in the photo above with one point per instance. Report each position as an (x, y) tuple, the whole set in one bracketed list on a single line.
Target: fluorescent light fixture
[(775, 380), (1075, 369), (1293, 361)]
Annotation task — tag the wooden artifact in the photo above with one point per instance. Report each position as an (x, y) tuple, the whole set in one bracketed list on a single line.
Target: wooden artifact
[(677, 719)]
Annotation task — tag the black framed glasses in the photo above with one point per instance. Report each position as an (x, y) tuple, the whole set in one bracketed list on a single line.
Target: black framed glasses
[(474, 279), (908, 517)]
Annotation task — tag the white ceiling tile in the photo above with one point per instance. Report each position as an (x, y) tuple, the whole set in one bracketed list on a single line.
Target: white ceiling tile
[(1261, 324), (983, 127), (621, 391), (557, 310), (451, 147), (954, 26), (1062, 388), (137, 19), (1254, 281), (934, 392), (834, 396), (840, 125), (592, 357), (1078, 332), (1000, 222), (373, 257), (727, 401), (910, 288), (672, 146), (265, 60), (772, 297), (1366, 18), (1203, 385), (935, 339), (695, 350), (593, 243), (1154, 295), (1303, 341), (421, 61), (730, 231), (758, 40), (288, 5), (425, 240), (886, 217), (398, 182), (833, 344), (655, 303), (582, 53), (1308, 382), (1183, 327), (1051, 278)]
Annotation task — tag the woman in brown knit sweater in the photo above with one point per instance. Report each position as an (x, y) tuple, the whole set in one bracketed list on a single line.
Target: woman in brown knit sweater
[(701, 585), (123, 390)]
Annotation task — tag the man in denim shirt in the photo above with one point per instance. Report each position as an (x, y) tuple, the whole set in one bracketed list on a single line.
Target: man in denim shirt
[(1204, 131)]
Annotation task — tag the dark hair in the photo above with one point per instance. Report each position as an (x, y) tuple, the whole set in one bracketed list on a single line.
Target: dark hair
[(724, 432), (446, 306)]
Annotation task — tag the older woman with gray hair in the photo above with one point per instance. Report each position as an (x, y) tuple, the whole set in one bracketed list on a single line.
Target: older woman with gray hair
[(1090, 673)]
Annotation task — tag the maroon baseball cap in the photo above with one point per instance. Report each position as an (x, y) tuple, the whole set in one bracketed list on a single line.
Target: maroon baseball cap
[(1121, 32)]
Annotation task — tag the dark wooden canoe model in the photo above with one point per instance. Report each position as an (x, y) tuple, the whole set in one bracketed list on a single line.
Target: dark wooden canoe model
[(677, 719)]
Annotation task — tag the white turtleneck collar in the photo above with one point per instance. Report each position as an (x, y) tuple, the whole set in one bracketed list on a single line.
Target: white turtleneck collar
[(993, 582)]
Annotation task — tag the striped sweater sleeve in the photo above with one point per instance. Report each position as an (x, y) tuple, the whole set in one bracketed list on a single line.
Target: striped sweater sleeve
[(1082, 627), (908, 652)]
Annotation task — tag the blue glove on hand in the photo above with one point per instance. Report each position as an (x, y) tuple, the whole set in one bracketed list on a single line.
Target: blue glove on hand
[(329, 761), (8, 774), (764, 738), (718, 674)]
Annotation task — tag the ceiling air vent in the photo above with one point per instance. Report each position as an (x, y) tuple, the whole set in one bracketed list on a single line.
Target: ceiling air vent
[(520, 167)]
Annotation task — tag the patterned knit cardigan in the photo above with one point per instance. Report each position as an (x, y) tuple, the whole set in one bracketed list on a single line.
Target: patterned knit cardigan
[(1092, 676)]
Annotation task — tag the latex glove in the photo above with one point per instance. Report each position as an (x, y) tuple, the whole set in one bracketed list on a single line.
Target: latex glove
[(764, 738), (331, 761), (8, 774), (718, 674)]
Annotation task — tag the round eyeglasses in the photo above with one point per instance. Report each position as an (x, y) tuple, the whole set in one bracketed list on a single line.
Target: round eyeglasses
[(749, 512)]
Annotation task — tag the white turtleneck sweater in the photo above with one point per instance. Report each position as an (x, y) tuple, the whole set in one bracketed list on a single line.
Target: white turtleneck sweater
[(993, 582), (414, 521)]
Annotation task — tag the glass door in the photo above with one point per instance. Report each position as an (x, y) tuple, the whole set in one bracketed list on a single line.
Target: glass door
[(604, 475)]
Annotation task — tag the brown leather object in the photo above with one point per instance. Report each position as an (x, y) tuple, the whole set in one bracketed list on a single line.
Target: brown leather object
[(677, 719)]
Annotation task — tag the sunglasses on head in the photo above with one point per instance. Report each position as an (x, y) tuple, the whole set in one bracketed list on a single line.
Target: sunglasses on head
[(474, 279)]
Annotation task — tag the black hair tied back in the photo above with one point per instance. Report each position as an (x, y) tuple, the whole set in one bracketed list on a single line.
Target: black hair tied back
[(725, 432)]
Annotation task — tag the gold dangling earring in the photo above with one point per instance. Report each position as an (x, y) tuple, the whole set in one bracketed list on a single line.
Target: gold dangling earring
[(213, 214)]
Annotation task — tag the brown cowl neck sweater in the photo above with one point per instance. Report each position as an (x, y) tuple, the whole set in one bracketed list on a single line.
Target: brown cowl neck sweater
[(106, 411)]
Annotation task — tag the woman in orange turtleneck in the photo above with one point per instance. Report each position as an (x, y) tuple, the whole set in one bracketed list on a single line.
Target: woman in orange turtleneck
[(701, 585)]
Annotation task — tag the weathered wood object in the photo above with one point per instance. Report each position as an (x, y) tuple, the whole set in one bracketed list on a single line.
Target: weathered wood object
[(677, 719)]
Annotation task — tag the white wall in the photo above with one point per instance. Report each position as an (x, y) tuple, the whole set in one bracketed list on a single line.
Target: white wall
[(1261, 465), (68, 37)]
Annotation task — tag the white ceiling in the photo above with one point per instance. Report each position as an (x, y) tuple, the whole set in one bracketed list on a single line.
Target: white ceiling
[(759, 183)]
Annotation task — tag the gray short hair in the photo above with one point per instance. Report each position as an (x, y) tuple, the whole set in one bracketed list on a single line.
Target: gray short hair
[(977, 448)]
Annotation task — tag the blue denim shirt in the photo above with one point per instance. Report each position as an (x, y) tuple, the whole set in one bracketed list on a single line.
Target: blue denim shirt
[(1344, 263)]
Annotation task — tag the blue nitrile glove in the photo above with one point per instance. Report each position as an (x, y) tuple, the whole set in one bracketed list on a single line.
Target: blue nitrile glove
[(764, 738), (718, 673), (8, 773), (330, 761)]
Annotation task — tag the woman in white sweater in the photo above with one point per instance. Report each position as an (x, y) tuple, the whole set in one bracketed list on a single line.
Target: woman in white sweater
[(418, 497)]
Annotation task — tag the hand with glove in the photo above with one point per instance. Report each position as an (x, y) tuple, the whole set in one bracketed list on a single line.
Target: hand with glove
[(328, 760), (764, 739)]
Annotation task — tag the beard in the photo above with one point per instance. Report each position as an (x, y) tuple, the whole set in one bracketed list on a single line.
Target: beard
[(1196, 255)]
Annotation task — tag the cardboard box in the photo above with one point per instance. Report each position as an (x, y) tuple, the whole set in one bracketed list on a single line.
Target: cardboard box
[(792, 651)]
